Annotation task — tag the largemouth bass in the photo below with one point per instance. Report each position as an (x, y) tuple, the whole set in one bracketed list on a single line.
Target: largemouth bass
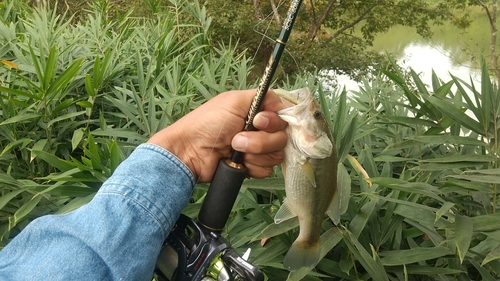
[(310, 172)]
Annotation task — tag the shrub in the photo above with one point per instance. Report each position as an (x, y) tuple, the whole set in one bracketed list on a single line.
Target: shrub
[(419, 164), (76, 98)]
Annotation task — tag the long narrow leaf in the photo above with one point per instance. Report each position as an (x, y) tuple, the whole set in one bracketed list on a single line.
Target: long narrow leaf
[(414, 255), (463, 235), (457, 114), (9, 196), (66, 77), (376, 271), (53, 160)]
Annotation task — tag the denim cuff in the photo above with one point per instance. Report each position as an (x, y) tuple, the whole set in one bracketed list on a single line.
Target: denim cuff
[(155, 180)]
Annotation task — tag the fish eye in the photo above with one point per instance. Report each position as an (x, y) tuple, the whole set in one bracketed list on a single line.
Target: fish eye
[(317, 114)]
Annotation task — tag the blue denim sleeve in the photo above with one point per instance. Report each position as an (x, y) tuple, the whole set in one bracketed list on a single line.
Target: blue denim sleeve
[(117, 236)]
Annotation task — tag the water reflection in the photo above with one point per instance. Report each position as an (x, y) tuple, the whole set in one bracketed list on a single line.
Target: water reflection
[(448, 52), (423, 58)]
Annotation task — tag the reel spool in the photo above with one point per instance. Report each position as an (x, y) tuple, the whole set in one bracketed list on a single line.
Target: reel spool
[(190, 253)]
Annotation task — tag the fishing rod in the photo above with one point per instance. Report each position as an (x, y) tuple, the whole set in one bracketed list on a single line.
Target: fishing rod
[(195, 250), (230, 173)]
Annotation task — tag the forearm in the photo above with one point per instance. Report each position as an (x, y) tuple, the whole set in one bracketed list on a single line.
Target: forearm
[(117, 236)]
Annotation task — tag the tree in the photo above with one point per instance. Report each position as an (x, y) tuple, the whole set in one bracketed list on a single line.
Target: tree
[(491, 12), (491, 8), (328, 34)]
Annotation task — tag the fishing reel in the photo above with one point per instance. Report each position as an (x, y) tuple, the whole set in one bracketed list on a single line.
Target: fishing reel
[(193, 253)]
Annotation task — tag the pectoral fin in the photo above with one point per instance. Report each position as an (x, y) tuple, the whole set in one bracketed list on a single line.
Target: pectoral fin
[(309, 172), (284, 213)]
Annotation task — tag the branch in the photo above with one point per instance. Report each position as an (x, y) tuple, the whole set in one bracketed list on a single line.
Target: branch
[(317, 23), (359, 19), (313, 21), (275, 11), (481, 3), (258, 11)]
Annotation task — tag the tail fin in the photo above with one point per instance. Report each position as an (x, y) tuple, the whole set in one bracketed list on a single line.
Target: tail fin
[(300, 255)]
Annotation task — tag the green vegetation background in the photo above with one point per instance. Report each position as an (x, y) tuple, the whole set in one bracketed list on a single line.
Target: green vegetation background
[(419, 163)]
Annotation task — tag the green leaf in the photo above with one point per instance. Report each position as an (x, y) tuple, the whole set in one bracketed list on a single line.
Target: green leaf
[(414, 255), (409, 187), (486, 93), (93, 154), (493, 255), (50, 67), (85, 104), (443, 210), (119, 133), (324, 106), (485, 172), (450, 110), (478, 178), (406, 121), (340, 200), (486, 222), (61, 106), (22, 142), (359, 221), (66, 77), (268, 184), (441, 139), (9, 196), (372, 267), (24, 210), (21, 118), (131, 111), (463, 235), (460, 158), (452, 185), (39, 145), (16, 92), (77, 138), (202, 89), (75, 203), (447, 166), (432, 271), (89, 86), (36, 63), (485, 274), (421, 214), (53, 160), (8, 181), (277, 229), (115, 155), (64, 117)]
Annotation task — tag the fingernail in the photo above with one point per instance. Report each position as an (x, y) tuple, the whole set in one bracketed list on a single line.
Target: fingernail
[(239, 142), (260, 121)]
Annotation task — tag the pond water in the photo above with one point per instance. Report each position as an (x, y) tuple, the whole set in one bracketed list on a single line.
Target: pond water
[(449, 51)]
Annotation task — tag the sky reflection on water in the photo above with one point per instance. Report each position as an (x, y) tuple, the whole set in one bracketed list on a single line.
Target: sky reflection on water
[(423, 58)]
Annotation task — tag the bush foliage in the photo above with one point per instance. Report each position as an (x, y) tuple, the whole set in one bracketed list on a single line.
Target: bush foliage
[(420, 166)]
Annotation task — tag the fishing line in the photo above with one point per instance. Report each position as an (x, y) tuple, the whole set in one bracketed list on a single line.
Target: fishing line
[(264, 35)]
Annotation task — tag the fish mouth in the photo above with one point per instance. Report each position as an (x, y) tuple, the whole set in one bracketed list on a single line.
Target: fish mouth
[(292, 98)]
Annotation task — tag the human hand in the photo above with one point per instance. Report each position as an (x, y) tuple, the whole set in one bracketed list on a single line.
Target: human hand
[(205, 135)]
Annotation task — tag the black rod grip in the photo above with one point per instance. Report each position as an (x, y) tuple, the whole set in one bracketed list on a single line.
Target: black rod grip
[(221, 195)]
